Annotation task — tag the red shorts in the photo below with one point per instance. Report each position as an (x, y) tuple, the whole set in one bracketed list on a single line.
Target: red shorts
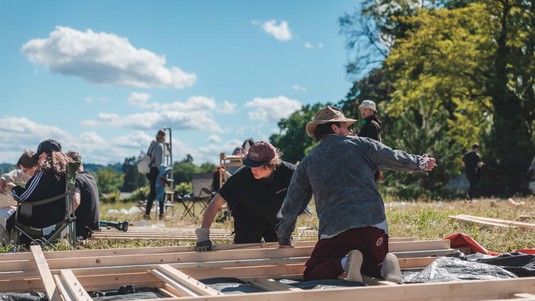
[(324, 262)]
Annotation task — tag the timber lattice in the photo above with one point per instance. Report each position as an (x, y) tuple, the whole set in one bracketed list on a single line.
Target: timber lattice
[(176, 271)]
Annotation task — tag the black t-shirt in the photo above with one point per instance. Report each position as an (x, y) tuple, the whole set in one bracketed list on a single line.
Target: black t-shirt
[(257, 202), (87, 214), (471, 159)]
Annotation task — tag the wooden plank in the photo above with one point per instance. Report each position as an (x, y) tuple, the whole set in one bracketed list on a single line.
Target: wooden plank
[(188, 281), (448, 291), (46, 277), (493, 221), (72, 286), (401, 246)]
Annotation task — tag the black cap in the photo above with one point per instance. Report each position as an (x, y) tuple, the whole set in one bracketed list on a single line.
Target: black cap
[(47, 146)]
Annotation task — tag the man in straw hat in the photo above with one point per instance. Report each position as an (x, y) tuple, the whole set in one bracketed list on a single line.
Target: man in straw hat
[(254, 195), (339, 173)]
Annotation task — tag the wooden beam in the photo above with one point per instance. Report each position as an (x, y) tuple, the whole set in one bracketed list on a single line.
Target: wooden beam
[(70, 287), (187, 281), (448, 291), (46, 276), (493, 221)]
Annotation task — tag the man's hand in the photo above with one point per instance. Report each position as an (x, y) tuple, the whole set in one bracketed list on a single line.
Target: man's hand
[(203, 240), (203, 246)]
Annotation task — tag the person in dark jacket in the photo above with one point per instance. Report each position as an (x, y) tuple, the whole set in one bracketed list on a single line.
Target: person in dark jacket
[(371, 124), (472, 169), (47, 182)]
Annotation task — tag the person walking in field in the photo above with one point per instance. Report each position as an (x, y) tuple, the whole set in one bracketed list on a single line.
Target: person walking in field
[(472, 169), (339, 173)]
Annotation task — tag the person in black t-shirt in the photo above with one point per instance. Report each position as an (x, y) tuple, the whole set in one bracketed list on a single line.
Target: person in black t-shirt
[(472, 169), (254, 195), (86, 200)]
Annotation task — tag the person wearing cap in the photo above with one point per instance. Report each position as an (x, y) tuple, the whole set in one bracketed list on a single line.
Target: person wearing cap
[(371, 124), (48, 181), (254, 195), (339, 173), (472, 169), (86, 199)]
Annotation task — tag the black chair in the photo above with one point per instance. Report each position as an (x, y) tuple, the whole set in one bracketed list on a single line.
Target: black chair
[(201, 186), (23, 234)]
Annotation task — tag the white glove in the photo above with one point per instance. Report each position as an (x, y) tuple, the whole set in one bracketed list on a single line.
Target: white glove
[(203, 234)]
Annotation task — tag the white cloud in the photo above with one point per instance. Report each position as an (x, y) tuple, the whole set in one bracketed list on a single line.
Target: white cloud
[(280, 32), (104, 58), (195, 113), (214, 138), (299, 88), (95, 100), (228, 107), (309, 45), (138, 99), (272, 109)]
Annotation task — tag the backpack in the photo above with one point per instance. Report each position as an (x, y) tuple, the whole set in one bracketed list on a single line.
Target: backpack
[(143, 166)]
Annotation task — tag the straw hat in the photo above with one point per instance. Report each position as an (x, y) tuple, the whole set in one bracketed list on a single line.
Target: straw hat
[(326, 115)]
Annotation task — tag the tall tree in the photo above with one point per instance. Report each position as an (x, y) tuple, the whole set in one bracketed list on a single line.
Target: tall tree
[(132, 178), (511, 86), (108, 180), (292, 139)]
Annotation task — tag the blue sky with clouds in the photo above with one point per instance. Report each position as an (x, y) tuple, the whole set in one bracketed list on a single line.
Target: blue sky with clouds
[(103, 76)]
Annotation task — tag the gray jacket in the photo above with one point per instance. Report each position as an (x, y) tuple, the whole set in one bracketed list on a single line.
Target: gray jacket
[(157, 153), (339, 172)]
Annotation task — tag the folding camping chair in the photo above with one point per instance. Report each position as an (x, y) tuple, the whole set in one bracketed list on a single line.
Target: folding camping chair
[(201, 186), (46, 237)]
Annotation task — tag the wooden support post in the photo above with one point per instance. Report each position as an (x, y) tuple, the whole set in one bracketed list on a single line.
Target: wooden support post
[(46, 276)]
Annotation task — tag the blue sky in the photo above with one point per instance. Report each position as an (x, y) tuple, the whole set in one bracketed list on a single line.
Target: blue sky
[(102, 77)]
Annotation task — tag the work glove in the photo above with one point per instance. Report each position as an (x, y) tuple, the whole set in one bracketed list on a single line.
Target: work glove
[(203, 240)]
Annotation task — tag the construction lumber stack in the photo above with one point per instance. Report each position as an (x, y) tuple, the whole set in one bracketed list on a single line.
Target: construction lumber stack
[(176, 272)]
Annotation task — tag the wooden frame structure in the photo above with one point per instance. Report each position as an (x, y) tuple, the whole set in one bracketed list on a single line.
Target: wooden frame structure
[(176, 271)]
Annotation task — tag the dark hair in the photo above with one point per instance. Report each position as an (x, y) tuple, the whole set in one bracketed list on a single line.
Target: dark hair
[(160, 134), (75, 156), (323, 130), (475, 145), (26, 160), (56, 161)]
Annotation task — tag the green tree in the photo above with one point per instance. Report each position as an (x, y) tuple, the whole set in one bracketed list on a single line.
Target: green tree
[(132, 178), (292, 139), (183, 170), (510, 84), (108, 180)]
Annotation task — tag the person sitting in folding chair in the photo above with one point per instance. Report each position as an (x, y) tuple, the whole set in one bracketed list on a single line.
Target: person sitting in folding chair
[(49, 181), (254, 195)]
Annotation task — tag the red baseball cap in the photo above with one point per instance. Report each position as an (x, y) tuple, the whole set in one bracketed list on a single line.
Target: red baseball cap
[(259, 154)]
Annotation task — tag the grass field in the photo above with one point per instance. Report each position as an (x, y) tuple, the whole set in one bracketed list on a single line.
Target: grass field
[(418, 219)]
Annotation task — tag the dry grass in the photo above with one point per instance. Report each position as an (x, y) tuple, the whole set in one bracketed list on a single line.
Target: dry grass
[(418, 219)]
